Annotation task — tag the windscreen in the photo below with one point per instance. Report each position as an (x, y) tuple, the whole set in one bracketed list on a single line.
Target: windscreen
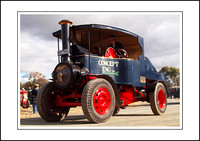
[(99, 39)]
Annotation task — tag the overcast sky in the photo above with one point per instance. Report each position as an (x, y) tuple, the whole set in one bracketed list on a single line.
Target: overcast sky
[(37, 52), (38, 48)]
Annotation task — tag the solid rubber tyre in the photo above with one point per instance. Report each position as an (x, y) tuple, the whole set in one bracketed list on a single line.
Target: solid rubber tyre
[(98, 100), (45, 103), (116, 111), (158, 99)]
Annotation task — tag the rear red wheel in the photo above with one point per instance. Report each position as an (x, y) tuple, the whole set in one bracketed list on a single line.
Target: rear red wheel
[(161, 99), (98, 100), (158, 99)]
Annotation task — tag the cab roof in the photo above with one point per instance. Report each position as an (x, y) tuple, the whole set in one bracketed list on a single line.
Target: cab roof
[(98, 26), (100, 34)]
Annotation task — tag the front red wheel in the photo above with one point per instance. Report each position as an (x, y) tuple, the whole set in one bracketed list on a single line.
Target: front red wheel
[(98, 100), (102, 100)]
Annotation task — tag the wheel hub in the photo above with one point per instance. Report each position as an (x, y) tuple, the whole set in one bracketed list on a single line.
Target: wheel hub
[(102, 100), (161, 99)]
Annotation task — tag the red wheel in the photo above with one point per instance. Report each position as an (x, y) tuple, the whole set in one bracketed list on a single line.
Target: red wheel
[(98, 100), (158, 99), (111, 53), (102, 100), (161, 99), (25, 104)]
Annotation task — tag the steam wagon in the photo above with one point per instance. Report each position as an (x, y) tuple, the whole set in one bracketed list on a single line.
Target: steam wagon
[(102, 83)]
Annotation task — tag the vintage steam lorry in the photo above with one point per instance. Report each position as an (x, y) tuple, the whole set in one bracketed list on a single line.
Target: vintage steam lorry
[(101, 83)]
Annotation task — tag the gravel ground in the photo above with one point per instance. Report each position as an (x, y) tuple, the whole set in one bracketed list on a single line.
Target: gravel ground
[(28, 112), (138, 114)]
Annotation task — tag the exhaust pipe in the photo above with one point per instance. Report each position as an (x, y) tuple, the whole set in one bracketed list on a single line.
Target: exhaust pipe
[(65, 32)]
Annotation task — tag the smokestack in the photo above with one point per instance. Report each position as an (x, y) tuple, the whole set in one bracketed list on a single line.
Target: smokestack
[(65, 26)]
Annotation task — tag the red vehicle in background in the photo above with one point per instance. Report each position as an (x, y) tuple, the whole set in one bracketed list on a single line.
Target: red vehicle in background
[(24, 102)]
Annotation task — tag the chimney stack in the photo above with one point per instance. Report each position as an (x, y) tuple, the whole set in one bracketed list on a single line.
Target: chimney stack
[(65, 32)]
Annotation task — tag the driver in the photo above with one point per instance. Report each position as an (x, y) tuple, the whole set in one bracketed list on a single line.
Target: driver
[(117, 46), (114, 43)]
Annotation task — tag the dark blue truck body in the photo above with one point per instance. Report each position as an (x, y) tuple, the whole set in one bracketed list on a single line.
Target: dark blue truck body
[(131, 71), (122, 71)]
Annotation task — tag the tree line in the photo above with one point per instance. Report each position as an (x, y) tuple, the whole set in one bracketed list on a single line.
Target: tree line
[(173, 75), (34, 78)]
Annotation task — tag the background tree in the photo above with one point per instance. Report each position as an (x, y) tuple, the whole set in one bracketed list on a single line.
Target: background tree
[(41, 81), (178, 81), (37, 77), (34, 77), (173, 75), (28, 84), (21, 85)]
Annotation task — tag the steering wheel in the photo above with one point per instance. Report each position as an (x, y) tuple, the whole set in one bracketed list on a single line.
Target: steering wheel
[(122, 53)]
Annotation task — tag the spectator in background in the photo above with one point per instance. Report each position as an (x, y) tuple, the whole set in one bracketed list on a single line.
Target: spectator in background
[(169, 92), (173, 93), (30, 94), (178, 93), (34, 95), (23, 89)]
